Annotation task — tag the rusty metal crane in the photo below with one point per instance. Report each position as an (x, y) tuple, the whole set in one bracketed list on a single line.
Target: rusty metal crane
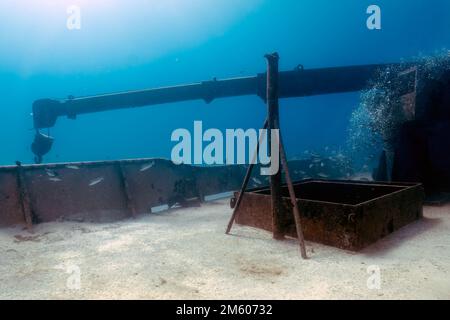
[(270, 86), (296, 83)]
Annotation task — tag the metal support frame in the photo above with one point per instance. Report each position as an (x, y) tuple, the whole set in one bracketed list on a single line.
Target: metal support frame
[(295, 209), (245, 182), (273, 122)]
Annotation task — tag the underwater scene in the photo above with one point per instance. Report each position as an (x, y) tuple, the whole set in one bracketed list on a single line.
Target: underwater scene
[(147, 44), (224, 124)]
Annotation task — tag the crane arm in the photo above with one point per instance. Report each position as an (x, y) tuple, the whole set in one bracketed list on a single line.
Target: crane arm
[(295, 83)]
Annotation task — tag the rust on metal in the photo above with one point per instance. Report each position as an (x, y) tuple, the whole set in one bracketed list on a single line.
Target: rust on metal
[(94, 191), (345, 214), (106, 191), (126, 189), (11, 209), (246, 180), (24, 197), (292, 197), (273, 122)]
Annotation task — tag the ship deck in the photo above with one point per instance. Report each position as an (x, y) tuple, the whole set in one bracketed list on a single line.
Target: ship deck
[(184, 254)]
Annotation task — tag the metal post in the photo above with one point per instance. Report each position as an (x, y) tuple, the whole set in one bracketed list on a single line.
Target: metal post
[(295, 209), (273, 119), (245, 183)]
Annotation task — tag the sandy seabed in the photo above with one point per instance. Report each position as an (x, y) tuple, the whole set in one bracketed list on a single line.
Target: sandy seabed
[(184, 254)]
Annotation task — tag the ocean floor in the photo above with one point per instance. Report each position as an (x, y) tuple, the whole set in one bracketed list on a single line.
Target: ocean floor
[(184, 254)]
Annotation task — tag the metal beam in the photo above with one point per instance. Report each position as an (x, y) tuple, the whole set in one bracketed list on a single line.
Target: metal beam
[(273, 121), (295, 83)]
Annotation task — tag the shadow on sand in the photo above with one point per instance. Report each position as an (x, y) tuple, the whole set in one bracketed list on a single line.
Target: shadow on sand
[(408, 233)]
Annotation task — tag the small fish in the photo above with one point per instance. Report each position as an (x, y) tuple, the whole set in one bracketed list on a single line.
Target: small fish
[(96, 181), (311, 165), (145, 167), (256, 181), (50, 173), (302, 172), (55, 179), (72, 167), (322, 164), (322, 175), (365, 167)]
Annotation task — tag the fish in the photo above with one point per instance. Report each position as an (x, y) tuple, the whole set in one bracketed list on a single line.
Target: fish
[(323, 175), (256, 181), (51, 173), (322, 164), (72, 167), (311, 165), (96, 181), (55, 179), (145, 167)]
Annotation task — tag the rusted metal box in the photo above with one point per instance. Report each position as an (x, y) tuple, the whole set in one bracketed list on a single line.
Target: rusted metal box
[(345, 214)]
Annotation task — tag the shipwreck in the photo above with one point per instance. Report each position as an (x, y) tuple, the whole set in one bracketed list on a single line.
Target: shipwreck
[(345, 214)]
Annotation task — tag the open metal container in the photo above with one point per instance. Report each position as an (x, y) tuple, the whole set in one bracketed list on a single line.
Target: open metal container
[(345, 214)]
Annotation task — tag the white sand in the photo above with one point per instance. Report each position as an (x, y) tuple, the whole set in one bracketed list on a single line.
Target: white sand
[(184, 254)]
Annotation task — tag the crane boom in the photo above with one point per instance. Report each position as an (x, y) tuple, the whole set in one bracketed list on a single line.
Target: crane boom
[(294, 83)]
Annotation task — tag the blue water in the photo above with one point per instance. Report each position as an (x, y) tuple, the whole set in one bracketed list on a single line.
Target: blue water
[(129, 45)]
